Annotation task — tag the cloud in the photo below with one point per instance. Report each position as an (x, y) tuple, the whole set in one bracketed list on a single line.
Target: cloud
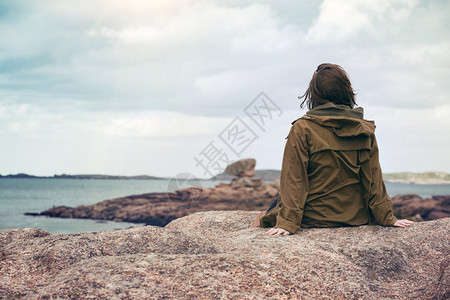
[(151, 52), (394, 51), (162, 124), (151, 55), (339, 21), (411, 139), (32, 119), (113, 72)]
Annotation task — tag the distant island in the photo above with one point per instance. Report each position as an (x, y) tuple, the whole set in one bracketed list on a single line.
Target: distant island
[(418, 178), (266, 175), (81, 176), (401, 177)]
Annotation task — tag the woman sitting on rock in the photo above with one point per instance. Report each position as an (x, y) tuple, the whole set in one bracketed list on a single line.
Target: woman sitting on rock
[(330, 174)]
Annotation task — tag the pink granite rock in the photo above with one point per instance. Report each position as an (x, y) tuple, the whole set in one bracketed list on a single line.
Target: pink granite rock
[(218, 255), (414, 207), (242, 168)]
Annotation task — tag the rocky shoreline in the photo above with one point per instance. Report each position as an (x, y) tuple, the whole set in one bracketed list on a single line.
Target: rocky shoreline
[(416, 208), (160, 209), (244, 192)]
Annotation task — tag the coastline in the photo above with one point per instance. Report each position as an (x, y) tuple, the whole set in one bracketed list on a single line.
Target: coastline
[(418, 182), (83, 176), (433, 178), (19, 196), (417, 178)]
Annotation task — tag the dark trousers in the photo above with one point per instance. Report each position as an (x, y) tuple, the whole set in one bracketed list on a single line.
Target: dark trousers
[(274, 203)]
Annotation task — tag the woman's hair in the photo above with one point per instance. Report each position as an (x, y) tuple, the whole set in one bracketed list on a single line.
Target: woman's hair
[(330, 83)]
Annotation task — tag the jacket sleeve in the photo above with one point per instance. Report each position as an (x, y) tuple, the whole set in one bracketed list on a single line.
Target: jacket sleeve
[(293, 182), (380, 203)]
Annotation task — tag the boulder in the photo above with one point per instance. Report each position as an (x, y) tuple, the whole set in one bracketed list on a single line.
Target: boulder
[(212, 255), (414, 207), (243, 193), (242, 168), (240, 182)]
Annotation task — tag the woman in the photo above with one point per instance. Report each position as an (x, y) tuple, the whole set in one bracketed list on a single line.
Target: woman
[(330, 175)]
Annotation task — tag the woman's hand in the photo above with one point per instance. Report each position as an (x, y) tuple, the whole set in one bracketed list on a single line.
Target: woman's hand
[(403, 223), (277, 231)]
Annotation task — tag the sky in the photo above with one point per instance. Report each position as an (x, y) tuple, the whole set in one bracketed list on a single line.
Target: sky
[(161, 88)]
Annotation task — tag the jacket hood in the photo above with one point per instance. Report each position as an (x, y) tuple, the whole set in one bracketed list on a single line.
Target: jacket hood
[(342, 120)]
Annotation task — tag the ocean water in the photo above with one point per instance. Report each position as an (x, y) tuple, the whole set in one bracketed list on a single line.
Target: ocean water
[(18, 196), (423, 190)]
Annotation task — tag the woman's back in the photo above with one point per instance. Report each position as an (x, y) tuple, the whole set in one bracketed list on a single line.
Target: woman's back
[(336, 146), (330, 174)]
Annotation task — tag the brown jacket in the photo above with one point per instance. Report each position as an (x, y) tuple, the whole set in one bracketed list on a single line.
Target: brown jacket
[(331, 174)]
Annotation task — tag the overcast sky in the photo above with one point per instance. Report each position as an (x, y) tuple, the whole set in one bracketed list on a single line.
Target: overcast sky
[(152, 87)]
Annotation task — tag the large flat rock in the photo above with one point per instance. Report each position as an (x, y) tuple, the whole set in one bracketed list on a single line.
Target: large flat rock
[(217, 254)]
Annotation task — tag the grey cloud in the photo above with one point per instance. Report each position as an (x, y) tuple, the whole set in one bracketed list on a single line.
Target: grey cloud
[(66, 50), (88, 60)]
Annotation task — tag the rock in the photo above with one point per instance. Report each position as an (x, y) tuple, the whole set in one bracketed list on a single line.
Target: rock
[(240, 182), (266, 175), (213, 255), (243, 193), (414, 207), (242, 168), (275, 183)]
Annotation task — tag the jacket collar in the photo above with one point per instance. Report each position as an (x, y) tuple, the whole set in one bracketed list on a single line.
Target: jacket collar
[(338, 110)]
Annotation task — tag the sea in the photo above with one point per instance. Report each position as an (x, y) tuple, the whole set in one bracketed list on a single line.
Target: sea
[(21, 195)]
